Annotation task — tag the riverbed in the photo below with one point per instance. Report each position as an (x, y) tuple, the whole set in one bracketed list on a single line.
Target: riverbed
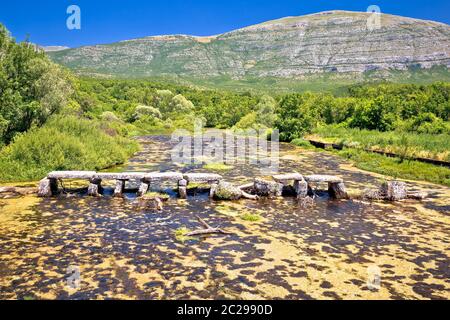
[(285, 251)]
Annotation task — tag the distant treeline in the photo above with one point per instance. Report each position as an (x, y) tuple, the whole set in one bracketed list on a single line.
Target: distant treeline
[(382, 107)]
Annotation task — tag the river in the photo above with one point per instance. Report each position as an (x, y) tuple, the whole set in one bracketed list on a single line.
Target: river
[(326, 251)]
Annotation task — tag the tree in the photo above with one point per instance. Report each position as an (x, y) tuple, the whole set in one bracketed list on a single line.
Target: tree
[(31, 87), (297, 115), (180, 105)]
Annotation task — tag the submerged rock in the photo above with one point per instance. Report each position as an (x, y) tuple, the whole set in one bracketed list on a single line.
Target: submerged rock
[(227, 191), (393, 191), (268, 188)]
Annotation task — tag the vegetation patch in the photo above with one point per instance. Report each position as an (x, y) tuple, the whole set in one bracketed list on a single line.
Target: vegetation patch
[(396, 168), (250, 217), (181, 234), (217, 167), (63, 143)]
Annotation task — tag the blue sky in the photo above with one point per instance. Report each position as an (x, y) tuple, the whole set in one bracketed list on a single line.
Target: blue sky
[(109, 21)]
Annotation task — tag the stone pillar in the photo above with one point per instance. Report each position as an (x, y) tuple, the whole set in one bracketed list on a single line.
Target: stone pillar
[(120, 188), (143, 188), (48, 188), (95, 187), (213, 190), (301, 189), (394, 190), (182, 189), (337, 190)]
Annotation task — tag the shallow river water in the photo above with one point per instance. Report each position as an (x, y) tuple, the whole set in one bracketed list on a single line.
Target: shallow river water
[(123, 251)]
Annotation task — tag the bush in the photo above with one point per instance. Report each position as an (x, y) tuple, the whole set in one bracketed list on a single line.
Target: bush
[(64, 143), (302, 143), (146, 111)]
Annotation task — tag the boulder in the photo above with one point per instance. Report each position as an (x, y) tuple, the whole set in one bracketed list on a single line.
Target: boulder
[(227, 191), (182, 188), (394, 191), (337, 191), (301, 189), (95, 187), (47, 188), (266, 188)]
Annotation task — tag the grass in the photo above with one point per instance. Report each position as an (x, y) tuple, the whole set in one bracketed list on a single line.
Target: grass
[(250, 217), (302, 143), (403, 143), (181, 234), (396, 168)]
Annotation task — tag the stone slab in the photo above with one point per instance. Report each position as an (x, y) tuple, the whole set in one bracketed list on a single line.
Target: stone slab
[(163, 176), (323, 178), (121, 176), (202, 177), (82, 175), (288, 177)]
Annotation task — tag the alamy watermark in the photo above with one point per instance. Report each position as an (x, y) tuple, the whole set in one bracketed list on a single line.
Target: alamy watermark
[(254, 147), (374, 20), (73, 280), (374, 278), (73, 22)]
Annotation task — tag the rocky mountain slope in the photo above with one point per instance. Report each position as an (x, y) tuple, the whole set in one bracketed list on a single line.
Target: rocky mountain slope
[(336, 42)]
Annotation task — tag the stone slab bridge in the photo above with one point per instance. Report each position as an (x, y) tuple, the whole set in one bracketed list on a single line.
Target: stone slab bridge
[(301, 185)]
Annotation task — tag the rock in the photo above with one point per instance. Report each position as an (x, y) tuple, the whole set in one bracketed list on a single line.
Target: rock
[(120, 188), (393, 191), (323, 178), (159, 177), (417, 195), (47, 188), (301, 189), (95, 188), (208, 178), (213, 190), (265, 188), (337, 191), (82, 175), (182, 188), (287, 178), (143, 188), (306, 202), (121, 176), (227, 191), (150, 202)]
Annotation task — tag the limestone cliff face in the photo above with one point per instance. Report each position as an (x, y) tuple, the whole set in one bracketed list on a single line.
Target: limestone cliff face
[(336, 41)]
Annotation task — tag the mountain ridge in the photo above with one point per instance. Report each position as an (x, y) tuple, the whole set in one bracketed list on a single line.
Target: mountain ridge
[(290, 47)]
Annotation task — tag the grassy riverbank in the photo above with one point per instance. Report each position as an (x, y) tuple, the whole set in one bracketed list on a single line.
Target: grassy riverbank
[(391, 167), (405, 144), (64, 143)]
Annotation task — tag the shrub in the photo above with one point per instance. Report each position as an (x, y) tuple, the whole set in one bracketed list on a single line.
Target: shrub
[(302, 143), (64, 143), (146, 111)]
